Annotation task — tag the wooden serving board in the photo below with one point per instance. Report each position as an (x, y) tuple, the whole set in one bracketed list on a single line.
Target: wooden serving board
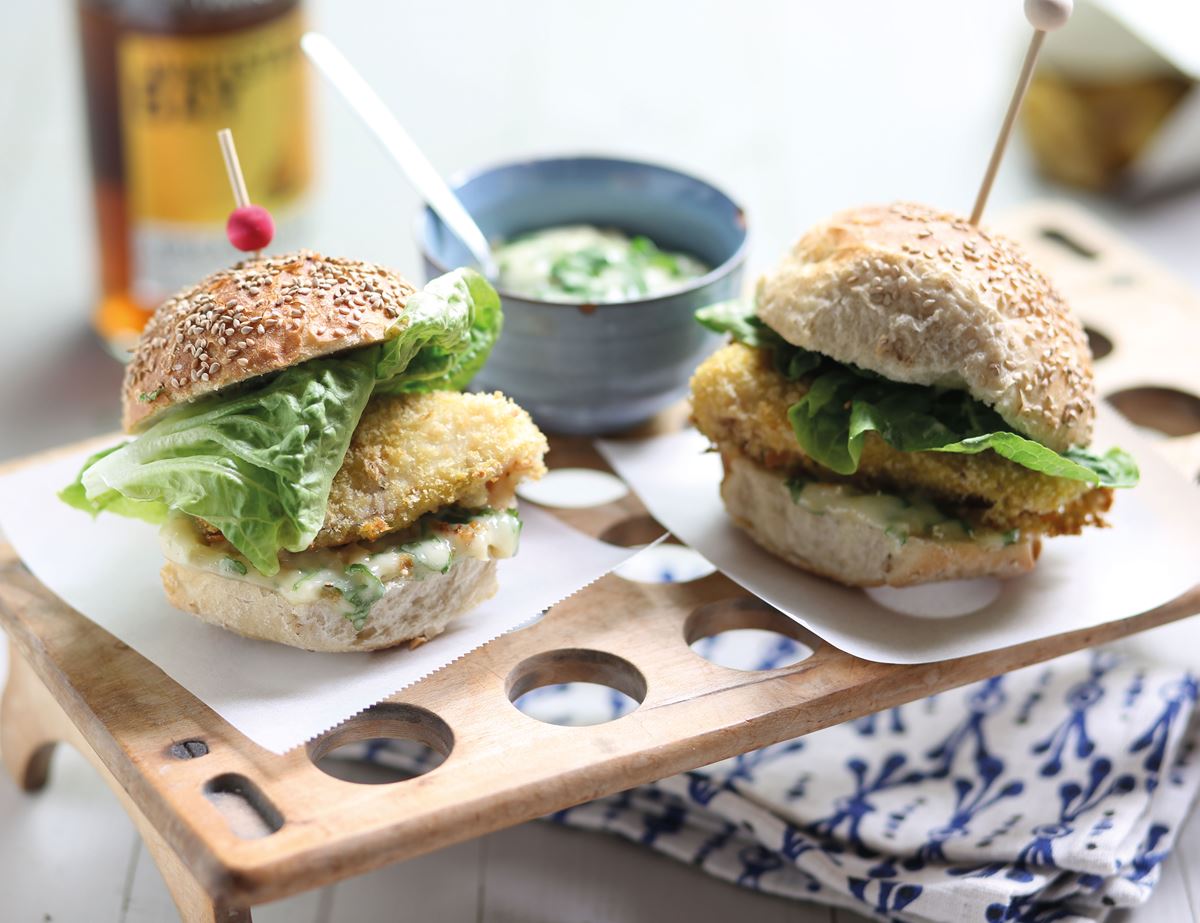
[(233, 825)]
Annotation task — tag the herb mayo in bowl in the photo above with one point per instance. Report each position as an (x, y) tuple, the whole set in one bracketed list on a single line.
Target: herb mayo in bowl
[(599, 327), (579, 263)]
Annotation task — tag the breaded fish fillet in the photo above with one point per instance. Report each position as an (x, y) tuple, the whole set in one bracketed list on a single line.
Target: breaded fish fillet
[(413, 454), (740, 400)]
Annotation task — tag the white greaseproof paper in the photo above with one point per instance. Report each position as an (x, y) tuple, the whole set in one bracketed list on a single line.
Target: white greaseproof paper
[(1149, 556), (279, 697)]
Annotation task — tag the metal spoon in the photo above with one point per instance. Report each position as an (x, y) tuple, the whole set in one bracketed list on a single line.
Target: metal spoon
[(342, 75)]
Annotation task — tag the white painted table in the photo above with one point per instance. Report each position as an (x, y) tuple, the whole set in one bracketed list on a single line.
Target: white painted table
[(796, 107)]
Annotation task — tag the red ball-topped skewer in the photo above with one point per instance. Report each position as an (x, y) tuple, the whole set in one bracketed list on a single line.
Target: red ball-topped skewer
[(250, 227)]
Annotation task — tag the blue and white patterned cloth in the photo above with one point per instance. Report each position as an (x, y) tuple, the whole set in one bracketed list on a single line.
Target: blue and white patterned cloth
[(1052, 793)]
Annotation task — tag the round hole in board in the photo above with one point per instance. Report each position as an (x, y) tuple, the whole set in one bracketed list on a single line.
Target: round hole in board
[(945, 600), (1067, 242), (575, 687), (665, 563), (576, 704), (389, 742), (574, 488), (1165, 410), (634, 532), (1098, 343), (380, 761), (744, 633)]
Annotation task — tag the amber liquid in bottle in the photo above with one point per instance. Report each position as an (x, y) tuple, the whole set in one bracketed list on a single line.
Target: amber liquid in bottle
[(160, 78)]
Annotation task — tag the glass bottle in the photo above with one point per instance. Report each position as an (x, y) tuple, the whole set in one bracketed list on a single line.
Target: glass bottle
[(161, 77)]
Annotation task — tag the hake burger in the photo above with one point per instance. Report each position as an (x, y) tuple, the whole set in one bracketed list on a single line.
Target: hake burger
[(906, 400), (300, 436)]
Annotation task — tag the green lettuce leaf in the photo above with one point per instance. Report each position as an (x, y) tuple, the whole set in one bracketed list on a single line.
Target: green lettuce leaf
[(844, 403), (464, 309), (738, 319), (1115, 468), (258, 461), (258, 466), (111, 501)]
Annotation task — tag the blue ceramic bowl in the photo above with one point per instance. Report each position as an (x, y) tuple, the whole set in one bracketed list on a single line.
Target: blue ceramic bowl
[(604, 367)]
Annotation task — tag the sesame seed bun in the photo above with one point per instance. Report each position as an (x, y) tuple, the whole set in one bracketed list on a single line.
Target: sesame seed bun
[(922, 296), (261, 316)]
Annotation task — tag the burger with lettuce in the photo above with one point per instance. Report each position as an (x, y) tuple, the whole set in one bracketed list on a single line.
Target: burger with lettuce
[(300, 437), (905, 400)]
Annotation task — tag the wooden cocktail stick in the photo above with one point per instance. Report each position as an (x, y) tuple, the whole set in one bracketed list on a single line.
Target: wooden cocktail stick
[(1045, 16), (237, 182), (250, 227)]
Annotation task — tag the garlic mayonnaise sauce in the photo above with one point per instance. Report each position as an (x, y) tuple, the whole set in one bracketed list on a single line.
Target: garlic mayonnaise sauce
[(899, 517), (580, 263), (358, 570)]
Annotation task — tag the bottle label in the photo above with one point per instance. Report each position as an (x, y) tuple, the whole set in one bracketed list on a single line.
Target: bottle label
[(176, 93)]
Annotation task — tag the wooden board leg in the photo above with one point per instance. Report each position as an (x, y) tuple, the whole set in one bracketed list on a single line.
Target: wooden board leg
[(26, 744), (193, 902), (31, 724)]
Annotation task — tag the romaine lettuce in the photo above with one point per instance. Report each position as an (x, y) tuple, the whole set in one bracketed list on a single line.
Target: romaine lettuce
[(843, 403), (257, 461)]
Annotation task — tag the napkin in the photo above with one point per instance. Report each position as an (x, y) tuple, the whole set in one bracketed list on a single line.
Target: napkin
[(1051, 793)]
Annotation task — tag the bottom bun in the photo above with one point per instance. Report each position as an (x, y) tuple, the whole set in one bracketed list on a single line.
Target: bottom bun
[(850, 548), (410, 609)]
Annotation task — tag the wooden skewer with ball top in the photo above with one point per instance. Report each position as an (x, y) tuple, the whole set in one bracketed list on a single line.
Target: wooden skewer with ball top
[(1045, 16), (250, 227)]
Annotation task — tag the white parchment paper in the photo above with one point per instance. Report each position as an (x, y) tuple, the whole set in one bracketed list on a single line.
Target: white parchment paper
[(1149, 556), (277, 696)]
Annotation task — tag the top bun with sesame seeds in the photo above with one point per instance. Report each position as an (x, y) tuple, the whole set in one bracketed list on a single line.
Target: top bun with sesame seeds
[(261, 316), (922, 296)]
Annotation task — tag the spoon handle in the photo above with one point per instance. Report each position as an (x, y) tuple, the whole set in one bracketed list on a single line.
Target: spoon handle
[(375, 114)]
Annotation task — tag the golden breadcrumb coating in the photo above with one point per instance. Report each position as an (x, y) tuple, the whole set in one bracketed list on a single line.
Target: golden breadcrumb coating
[(740, 400), (414, 454)]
